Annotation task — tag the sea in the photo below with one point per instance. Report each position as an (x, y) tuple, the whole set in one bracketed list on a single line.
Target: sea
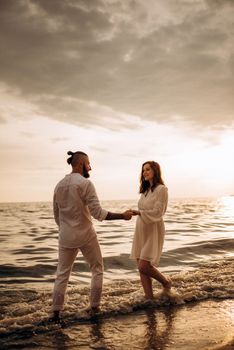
[(198, 255)]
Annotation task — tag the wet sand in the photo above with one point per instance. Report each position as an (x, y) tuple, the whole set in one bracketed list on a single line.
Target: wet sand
[(204, 325)]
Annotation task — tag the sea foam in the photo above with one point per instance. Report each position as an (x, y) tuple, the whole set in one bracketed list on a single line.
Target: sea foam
[(28, 310)]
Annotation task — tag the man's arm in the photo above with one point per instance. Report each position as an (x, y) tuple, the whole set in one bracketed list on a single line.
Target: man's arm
[(127, 215), (91, 199), (56, 211)]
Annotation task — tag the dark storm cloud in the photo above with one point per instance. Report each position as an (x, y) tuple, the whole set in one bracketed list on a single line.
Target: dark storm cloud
[(90, 62)]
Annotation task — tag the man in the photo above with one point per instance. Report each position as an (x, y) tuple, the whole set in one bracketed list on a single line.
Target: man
[(75, 201)]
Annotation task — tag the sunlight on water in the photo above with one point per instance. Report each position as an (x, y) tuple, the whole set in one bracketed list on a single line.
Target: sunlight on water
[(228, 205), (198, 232)]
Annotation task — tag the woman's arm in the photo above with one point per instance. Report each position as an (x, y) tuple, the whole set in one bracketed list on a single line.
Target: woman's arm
[(156, 213)]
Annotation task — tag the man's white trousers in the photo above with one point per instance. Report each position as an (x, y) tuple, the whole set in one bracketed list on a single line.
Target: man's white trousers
[(92, 254)]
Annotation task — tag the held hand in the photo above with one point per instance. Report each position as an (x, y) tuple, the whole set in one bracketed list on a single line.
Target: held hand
[(127, 215), (135, 212)]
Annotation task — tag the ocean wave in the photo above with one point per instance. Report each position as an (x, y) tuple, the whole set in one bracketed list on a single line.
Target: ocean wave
[(41, 262), (27, 310)]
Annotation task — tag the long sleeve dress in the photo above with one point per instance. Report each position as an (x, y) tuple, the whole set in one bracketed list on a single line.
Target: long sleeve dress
[(150, 230)]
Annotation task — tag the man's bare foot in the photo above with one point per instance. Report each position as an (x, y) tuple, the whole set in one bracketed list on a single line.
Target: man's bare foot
[(148, 302), (92, 311), (55, 318)]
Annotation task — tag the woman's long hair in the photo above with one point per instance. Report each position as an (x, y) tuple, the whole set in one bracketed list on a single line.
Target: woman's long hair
[(157, 179)]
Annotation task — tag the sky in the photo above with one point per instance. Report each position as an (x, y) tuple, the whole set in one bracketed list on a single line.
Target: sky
[(125, 81)]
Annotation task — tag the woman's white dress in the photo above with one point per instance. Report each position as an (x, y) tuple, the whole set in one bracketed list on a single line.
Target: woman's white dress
[(149, 231)]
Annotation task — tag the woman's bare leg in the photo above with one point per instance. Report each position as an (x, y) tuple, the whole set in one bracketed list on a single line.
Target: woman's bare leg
[(148, 271), (146, 282)]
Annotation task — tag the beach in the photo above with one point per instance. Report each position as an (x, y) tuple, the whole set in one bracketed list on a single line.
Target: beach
[(198, 313), (203, 325)]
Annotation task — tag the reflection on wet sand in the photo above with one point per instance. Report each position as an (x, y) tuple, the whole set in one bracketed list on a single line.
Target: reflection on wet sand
[(158, 328), (148, 329)]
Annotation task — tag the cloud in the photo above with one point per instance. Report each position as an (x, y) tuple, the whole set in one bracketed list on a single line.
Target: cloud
[(59, 139), (84, 113), (100, 149), (26, 134), (2, 120), (101, 62)]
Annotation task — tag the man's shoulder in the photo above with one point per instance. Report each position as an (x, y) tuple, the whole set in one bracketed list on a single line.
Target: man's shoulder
[(77, 179), (82, 184), (74, 179), (62, 181)]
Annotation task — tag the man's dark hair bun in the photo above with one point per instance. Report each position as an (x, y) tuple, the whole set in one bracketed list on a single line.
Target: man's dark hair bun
[(74, 157), (70, 153)]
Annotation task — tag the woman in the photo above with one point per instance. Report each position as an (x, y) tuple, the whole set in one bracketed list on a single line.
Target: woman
[(149, 232)]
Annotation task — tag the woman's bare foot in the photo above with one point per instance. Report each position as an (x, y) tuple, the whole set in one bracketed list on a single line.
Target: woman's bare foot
[(167, 284)]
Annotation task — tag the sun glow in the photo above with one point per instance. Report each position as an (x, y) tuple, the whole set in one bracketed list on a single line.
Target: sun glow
[(228, 204)]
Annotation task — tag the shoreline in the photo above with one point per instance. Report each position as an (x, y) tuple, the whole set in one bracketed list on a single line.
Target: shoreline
[(197, 314), (200, 325)]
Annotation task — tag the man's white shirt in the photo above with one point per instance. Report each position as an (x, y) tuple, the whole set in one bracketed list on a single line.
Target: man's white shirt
[(75, 201)]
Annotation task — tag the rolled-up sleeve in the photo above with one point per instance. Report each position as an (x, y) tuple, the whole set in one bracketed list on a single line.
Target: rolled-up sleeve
[(92, 201), (156, 213)]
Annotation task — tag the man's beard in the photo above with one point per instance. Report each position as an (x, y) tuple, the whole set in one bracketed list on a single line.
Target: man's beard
[(85, 172)]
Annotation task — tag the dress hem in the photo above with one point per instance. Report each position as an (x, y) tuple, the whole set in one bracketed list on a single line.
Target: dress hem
[(146, 259)]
